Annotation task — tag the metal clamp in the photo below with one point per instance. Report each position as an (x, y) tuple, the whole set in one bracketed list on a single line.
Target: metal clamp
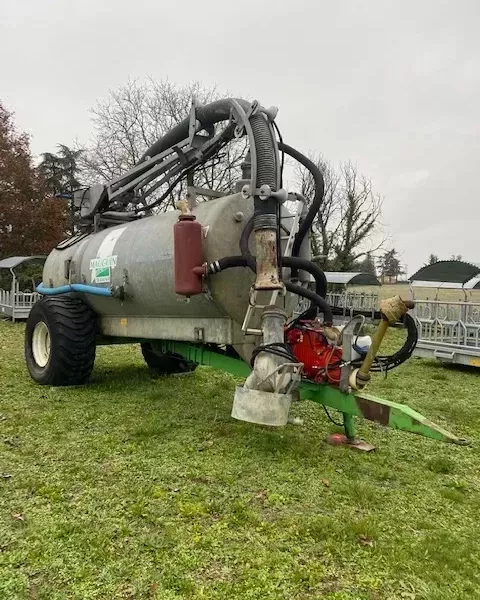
[(270, 112), (246, 116), (264, 192), (194, 126)]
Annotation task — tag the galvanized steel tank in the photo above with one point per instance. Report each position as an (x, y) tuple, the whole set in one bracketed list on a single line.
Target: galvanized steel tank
[(139, 256)]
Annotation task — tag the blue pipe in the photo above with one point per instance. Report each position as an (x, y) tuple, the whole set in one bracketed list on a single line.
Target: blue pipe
[(74, 287)]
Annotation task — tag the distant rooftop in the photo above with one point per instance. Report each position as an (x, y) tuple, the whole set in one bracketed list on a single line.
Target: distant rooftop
[(351, 278), (13, 261), (450, 274)]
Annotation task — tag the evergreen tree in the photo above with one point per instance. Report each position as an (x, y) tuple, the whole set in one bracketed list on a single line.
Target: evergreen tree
[(432, 259), (389, 265)]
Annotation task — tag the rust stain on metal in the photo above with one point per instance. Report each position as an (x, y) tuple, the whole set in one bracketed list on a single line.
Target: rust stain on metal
[(267, 267), (374, 411)]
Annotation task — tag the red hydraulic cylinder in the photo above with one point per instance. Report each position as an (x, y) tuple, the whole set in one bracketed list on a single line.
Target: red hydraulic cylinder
[(187, 239)]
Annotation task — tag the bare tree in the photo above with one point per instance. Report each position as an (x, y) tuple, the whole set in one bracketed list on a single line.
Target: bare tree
[(348, 218), (137, 114)]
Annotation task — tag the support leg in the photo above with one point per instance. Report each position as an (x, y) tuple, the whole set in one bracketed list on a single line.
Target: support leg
[(349, 438), (349, 426)]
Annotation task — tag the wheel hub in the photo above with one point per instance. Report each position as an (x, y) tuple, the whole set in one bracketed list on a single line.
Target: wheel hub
[(41, 344)]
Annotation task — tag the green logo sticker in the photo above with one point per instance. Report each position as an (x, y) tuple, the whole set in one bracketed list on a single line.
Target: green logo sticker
[(101, 269)]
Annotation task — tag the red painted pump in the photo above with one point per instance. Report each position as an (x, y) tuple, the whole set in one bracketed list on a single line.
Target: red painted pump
[(187, 238), (321, 359)]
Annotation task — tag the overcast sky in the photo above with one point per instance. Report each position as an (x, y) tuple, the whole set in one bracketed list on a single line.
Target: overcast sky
[(392, 86)]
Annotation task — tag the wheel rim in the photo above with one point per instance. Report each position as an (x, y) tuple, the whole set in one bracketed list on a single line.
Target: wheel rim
[(41, 344)]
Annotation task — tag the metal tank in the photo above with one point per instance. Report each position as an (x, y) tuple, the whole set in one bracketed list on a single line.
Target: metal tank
[(221, 273), (215, 283), (139, 257)]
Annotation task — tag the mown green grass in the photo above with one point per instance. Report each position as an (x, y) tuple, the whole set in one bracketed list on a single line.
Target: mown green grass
[(141, 488)]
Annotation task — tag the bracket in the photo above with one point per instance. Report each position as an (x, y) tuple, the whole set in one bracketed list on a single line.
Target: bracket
[(253, 306), (243, 117), (265, 192), (194, 126)]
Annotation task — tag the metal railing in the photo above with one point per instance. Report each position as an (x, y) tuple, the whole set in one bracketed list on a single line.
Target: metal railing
[(448, 323), (467, 312), (348, 301), (17, 304)]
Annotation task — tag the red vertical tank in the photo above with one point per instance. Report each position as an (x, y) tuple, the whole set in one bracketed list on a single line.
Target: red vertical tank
[(187, 237)]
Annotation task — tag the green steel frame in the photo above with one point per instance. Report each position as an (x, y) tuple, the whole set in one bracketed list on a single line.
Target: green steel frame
[(390, 414)]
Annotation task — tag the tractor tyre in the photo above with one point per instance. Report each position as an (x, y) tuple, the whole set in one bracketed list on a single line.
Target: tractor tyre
[(166, 363), (60, 341)]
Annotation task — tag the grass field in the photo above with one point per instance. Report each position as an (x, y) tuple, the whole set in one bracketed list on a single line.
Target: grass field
[(143, 488)]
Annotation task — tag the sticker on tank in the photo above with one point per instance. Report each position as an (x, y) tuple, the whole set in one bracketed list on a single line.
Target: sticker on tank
[(101, 267)]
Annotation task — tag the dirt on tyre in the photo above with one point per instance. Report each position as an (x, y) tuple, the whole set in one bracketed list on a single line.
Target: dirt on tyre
[(60, 341), (166, 363)]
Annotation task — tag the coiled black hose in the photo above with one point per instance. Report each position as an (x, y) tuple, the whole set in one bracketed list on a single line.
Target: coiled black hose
[(267, 164), (383, 364), (291, 262), (278, 348)]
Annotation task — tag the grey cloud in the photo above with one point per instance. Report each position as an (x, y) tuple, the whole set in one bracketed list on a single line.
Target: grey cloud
[(393, 86)]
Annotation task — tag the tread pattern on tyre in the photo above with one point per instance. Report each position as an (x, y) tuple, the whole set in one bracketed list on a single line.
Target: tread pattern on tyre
[(72, 327), (167, 363)]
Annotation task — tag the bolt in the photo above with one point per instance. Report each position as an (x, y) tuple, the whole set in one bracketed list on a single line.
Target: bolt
[(239, 216)]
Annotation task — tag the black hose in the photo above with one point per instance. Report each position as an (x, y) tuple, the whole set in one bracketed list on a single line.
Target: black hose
[(267, 164), (293, 262), (303, 264), (207, 115), (277, 348), (314, 298), (317, 199), (383, 364)]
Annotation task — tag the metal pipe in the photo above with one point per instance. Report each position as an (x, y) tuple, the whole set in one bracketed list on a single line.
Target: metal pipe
[(267, 264), (377, 339)]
